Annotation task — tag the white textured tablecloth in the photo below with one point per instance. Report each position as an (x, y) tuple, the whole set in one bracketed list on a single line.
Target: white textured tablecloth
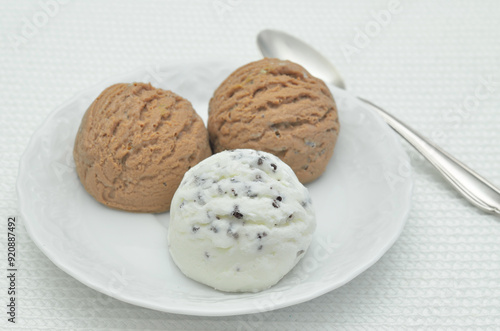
[(436, 66)]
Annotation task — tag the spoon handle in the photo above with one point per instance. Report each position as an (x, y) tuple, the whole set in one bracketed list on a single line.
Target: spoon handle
[(471, 185)]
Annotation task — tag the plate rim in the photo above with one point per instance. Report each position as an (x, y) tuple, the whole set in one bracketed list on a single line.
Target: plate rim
[(207, 311)]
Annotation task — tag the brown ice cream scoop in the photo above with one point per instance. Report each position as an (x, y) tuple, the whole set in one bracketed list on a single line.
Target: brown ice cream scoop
[(134, 145), (276, 106)]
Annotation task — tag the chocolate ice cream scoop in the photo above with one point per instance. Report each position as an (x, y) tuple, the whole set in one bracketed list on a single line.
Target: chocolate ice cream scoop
[(276, 106), (134, 145)]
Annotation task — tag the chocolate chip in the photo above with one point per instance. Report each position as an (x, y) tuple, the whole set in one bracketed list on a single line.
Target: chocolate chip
[(236, 212), (181, 205), (274, 166), (300, 252), (234, 192), (290, 216), (195, 229), (217, 217), (258, 177), (201, 201), (214, 229), (260, 161), (260, 235), (230, 233), (207, 255), (275, 204), (279, 198)]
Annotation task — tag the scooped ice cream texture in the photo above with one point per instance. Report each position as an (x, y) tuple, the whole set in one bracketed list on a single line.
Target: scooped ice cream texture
[(240, 221), (135, 143), (278, 107)]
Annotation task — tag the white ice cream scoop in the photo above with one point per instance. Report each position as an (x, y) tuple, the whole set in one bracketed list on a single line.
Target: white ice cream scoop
[(240, 221)]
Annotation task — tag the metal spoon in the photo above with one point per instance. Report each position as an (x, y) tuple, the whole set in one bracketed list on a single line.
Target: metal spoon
[(471, 185)]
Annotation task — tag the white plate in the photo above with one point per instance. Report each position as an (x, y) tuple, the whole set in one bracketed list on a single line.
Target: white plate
[(361, 202)]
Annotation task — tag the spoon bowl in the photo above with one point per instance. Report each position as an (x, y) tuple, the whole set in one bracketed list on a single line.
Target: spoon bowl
[(279, 44)]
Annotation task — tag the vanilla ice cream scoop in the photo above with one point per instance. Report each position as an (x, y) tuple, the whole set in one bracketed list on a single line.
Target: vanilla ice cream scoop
[(240, 221)]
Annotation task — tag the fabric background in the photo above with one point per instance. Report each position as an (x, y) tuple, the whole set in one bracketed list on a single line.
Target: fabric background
[(426, 65)]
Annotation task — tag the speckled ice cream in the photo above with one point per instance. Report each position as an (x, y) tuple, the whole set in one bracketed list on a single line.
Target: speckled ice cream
[(240, 221)]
